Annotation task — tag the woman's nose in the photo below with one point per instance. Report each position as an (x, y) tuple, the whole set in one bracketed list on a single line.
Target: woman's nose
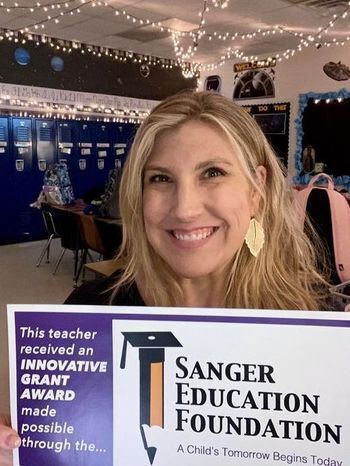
[(187, 202)]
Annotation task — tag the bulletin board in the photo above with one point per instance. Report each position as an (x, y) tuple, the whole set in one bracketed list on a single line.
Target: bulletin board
[(323, 125), (274, 119)]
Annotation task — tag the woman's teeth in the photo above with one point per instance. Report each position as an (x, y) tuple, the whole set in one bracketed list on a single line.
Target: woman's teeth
[(194, 235)]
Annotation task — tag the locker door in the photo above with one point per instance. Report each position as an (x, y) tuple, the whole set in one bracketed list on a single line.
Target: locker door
[(6, 185), (84, 170), (45, 154), (103, 159), (122, 137), (21, 167), (67, 138)]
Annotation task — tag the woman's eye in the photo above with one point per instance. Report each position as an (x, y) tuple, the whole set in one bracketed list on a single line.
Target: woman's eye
[(159, 179), (213, 172)]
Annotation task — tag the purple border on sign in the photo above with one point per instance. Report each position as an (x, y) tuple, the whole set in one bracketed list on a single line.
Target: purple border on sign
[(234, 319)]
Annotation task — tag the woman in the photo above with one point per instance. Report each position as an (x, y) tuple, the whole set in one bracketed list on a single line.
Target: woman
[(207, 218), (200, 180)]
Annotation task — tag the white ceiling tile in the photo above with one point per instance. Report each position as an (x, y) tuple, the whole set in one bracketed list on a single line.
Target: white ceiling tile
[(15, 23), (100, 26), (80, 36)]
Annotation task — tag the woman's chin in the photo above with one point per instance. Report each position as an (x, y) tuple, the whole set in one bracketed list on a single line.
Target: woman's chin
[(192, 273)]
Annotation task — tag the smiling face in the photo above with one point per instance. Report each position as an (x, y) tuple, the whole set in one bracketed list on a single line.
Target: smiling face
[(197, 201)]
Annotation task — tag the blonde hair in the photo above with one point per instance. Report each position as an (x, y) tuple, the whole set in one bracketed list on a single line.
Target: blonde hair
[(284, 274)]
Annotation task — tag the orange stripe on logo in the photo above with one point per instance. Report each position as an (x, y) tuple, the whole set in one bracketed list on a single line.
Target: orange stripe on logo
[(156, 402)]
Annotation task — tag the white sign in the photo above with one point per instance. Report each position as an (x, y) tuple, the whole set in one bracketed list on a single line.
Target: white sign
[(142, 386), (42, 94)]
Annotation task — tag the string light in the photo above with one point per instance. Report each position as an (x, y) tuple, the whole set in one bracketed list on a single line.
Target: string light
[(303, 43), (328, 100), (78, 111), (221, 3), (184, 53), (67, 46)]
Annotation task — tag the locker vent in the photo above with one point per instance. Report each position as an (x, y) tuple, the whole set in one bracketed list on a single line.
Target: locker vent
[(45, 134), (22, 134), (65, 134), (2, 133), (85, 136)]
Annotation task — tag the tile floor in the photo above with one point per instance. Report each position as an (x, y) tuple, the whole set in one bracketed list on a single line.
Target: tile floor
[(21, 282)]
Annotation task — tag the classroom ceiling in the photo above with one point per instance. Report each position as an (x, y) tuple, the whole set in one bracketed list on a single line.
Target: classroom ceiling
[(127, 24)]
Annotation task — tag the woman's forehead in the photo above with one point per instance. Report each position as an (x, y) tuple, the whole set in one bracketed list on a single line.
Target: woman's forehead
[(192, 139)]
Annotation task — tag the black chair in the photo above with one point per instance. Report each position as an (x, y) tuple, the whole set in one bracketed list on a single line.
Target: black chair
[(68, 228), (51, 230), (111, 234)]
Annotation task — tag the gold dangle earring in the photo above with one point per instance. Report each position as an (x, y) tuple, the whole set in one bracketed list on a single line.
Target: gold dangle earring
[(254, 237)]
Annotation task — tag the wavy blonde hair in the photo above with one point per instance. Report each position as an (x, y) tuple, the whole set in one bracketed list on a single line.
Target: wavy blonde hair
[(283, 276)]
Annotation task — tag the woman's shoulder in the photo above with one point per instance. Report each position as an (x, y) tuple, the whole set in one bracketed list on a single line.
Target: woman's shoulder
[(99, 292)]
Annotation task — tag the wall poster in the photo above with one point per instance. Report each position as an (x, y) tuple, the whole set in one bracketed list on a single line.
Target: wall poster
[(254, 80), (273, 119), (118, 386)]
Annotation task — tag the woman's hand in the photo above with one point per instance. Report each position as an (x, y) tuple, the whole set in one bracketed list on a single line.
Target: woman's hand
[(9, 440)]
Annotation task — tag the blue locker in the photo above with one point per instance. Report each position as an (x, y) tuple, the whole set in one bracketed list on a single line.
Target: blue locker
[(7, 210), (21, 168), (45, 154), (103, 155), (122, 137), (83, 174), (68, 151), (45, 131)]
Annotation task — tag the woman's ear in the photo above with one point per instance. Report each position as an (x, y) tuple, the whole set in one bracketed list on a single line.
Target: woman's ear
[(260, 180)]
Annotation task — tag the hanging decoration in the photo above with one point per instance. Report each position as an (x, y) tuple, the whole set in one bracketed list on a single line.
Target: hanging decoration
[(22, 56), (337, 71), (145, 71)]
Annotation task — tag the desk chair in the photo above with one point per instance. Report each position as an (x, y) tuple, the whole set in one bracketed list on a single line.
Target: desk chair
[(91, 239), (69, 231), (51, 233), (111, 233)]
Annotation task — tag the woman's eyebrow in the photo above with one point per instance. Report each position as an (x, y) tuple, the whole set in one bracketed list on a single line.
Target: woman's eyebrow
[(204, 164), (156, 168), (199, 165)]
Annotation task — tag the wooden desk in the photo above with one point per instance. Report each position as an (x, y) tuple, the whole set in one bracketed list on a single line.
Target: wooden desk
[(77, 207), (104, 268), (110, 230)]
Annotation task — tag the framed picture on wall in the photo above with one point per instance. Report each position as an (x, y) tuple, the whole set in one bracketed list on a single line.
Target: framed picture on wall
[(254, 79)]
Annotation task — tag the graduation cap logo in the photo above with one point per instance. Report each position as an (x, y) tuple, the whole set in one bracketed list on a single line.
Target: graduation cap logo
[(152, 356)]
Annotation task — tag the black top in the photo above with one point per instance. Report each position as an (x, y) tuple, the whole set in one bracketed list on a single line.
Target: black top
[(98, 293)]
